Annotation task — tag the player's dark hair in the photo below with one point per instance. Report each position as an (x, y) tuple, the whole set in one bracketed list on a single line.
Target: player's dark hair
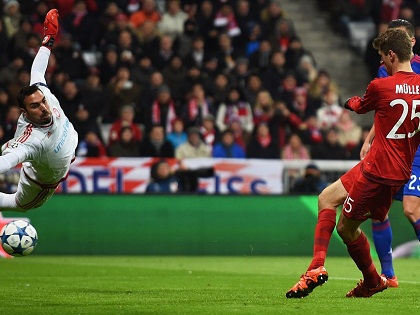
[(397, 40), (24, 92), (402, 23)]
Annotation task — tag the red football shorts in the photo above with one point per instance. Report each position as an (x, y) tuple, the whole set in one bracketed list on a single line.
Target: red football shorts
[(366, 199)]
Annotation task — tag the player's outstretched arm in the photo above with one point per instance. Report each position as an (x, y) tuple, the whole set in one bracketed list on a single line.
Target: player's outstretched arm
[(40, 63), (367, 143)]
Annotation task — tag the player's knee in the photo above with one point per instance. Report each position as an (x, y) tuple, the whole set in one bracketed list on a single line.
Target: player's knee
[(346, 233), (412, 213)]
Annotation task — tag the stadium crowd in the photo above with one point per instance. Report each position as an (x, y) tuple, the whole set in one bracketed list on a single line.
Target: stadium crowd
[(174, 78)]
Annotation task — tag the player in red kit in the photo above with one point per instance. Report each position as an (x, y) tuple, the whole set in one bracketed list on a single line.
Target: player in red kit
[(367, 189)]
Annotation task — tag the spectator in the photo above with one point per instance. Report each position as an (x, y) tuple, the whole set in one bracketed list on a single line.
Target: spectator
[(162, 57), (330, 148), (172, 21), (69, 57), (241, 137), (148, 95), (226, 53), (22, 79), (18, 42), (178, 136), (349, 132), (149, 38), (225, 21), (197, 54), (11, 17), (193, 77), (330, 111), (148, 12), (295, 149), (81, 24), (126, 119), (198, 106), (235, 108), (254, 40), (126, 145), (175, 75), (263, 109), (283, 33), (122, 91), (156, 144), (95, 95), (220, 90), (10, 122), (84, 120), (284, 122), (312, 181), (127, 49), (240, 74), (300, 105), (9, 73), (164, 180), (275, 73), (244, 18), (310, 132), (37, 15), (262, 145), (253, 87), (5, 103), (194, 147), (208, 130), (142, 71), (295, 52), (91, 146), (227, 147), (109, 64), (259, 60), (163, 109), (271, 14), (319, 87), (112, 31), (29, 50), (307, 71), (206, 28)]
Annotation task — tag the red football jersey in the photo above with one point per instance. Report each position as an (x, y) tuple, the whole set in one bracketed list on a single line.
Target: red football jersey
[(396, 102)]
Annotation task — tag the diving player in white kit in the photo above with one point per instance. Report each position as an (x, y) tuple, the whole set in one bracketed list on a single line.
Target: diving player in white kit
[(45, 140)]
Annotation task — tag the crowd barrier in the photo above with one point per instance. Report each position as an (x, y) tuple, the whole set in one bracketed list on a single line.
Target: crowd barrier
[(232, 176)]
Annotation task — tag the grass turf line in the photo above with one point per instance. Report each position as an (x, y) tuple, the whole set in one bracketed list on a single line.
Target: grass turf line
[(190, 285)]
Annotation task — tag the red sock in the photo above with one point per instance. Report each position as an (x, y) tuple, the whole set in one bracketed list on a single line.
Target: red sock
[(359, 250), (323, 231)]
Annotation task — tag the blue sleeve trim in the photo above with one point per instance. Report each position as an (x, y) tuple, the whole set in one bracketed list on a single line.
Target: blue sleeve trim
[(41, 84)]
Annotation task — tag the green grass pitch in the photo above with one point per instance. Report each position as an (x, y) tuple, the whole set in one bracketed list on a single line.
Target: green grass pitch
[(191, 285)]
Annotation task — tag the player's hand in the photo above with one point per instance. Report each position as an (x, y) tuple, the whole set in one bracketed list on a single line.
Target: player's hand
[(364, 150), (351, 102), (51, 23), (50, 28)]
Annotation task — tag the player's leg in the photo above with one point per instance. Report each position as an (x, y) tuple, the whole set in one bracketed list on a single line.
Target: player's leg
[(359, 250), (316, 274), (411, 206), (382, 238), (28, 196)]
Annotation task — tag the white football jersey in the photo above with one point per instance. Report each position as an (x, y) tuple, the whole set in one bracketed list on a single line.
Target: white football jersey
[(46, 151)]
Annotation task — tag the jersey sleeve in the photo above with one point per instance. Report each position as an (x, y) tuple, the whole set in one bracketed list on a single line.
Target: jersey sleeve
[(16, 152), (39, 66), (369, 100)]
